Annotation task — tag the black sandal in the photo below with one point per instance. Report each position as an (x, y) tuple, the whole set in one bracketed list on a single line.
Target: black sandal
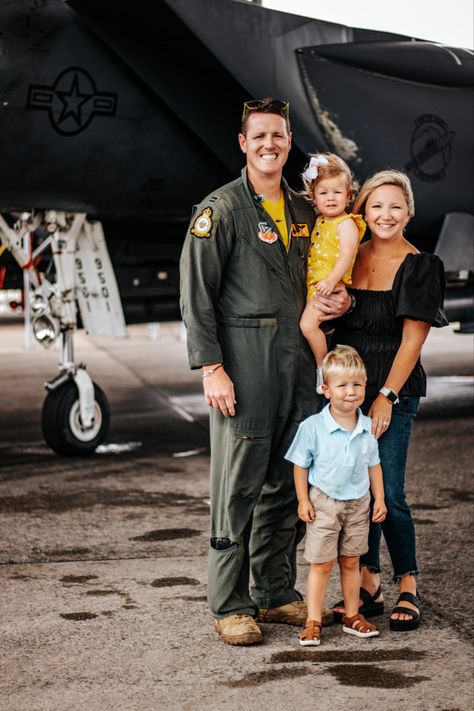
[(406, 625), (369, 607)]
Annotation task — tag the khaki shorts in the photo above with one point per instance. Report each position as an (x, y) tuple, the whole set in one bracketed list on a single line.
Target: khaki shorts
[(340, 527)]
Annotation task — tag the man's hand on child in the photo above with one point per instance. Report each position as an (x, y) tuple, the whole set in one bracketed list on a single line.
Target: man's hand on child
[(306, 511), (334, 305), (380, 511)]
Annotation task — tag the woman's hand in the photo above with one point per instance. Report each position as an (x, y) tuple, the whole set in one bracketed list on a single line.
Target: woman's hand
[(334, 305), (306, 511), (381, 414), (219, 392)]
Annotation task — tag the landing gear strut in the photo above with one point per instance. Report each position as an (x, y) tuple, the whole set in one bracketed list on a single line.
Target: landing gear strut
[(76, 416)]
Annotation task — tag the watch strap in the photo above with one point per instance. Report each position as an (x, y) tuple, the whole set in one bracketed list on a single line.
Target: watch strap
[(390, 394)]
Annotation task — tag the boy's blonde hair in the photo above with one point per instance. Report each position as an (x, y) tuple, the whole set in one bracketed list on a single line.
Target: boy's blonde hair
[(335, 166), (343, 360), (386, 177)]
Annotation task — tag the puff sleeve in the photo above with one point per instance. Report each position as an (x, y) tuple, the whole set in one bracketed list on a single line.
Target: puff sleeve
[(418, 289)]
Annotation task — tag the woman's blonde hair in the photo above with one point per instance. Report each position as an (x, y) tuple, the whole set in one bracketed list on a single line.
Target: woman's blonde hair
[(334, 166), (385, 177), (343, 360)]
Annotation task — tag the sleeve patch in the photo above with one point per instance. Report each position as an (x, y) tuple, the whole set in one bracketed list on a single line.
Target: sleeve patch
[(202, 225)]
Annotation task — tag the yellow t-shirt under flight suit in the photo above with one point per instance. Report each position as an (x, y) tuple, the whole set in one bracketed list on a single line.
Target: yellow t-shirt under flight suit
[(276, 210)]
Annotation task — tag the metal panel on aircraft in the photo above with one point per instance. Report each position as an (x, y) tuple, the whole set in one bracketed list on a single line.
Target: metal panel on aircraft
[(419, 128)]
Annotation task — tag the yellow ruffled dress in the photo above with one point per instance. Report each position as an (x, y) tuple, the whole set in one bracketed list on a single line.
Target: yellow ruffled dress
[(324, 250)]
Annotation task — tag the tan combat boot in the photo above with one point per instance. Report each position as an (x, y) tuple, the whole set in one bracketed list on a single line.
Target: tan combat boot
[(239, 629)]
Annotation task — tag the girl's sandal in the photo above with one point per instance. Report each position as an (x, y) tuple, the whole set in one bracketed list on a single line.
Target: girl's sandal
[(311, 635), (358, 626)]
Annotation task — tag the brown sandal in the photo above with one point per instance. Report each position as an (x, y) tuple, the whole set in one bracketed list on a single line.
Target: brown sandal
[(311, 635), (359, 626)]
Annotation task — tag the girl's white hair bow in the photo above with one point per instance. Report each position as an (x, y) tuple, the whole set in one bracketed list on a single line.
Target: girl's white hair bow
[(311, 172)]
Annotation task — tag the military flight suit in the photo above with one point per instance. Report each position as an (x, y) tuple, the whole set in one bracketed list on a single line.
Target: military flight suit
[(242, 296)]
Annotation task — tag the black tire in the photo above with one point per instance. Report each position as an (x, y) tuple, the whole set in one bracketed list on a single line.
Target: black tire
[(62, 426)]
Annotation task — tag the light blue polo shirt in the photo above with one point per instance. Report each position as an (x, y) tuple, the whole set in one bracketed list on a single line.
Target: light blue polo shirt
[(338, 460)]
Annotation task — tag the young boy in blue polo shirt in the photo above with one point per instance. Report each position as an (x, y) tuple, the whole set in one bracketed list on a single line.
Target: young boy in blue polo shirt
[(336, 453)]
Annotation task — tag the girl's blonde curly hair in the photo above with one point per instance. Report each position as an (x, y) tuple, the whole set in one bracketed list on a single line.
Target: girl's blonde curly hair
[(335, 166)]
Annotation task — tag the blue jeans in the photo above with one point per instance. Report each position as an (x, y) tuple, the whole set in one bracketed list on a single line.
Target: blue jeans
[(398, 528)]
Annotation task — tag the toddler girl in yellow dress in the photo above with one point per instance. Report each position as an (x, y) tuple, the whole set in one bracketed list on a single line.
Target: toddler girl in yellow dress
[(335, 238)]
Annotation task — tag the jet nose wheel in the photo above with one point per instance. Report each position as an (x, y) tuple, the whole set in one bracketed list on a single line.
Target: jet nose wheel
[(61, 421)]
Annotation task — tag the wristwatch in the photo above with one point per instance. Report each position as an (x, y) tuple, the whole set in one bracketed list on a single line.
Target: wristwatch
[(353, 304), (390, 394)]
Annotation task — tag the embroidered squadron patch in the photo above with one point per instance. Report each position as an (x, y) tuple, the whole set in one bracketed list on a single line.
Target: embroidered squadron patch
[(299, 230), (203, 224), (266, 234)]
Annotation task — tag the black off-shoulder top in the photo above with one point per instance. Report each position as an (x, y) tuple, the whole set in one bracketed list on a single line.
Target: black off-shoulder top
[(375, 326)]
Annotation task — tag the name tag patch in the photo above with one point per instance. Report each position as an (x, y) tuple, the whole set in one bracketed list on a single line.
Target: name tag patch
[(266, 234), (299, 229)]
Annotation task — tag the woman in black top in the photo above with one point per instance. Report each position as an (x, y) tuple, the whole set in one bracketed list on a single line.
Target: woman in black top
[(399, 296)]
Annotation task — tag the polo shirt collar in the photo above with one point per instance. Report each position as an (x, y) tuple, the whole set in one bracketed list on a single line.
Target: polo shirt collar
[(363, 423)]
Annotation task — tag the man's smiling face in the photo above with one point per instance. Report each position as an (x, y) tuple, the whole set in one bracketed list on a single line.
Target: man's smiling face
[(266, 144)]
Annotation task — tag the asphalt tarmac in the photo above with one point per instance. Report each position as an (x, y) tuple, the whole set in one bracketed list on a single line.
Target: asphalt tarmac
[(103, 560)]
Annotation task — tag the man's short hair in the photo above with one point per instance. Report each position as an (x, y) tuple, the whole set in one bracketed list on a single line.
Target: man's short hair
[(343, 360), (265, 106)]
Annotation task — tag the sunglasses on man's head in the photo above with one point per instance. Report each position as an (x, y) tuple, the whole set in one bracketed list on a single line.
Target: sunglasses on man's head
[(278, 105)]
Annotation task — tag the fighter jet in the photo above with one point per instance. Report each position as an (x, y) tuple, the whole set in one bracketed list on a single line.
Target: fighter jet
[(115, 118)]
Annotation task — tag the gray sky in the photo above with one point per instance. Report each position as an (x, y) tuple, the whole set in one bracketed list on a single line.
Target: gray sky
[(450, 22)]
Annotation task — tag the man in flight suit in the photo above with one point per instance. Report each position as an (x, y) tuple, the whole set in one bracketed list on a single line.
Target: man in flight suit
[(242, 294)]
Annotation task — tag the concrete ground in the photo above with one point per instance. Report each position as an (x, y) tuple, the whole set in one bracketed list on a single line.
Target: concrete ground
[(103, 560)]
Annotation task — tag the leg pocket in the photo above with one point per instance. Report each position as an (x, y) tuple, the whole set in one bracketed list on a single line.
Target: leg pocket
[(239, 463), (248, 461)]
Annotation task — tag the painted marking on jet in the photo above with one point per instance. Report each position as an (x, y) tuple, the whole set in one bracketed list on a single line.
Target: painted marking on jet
[(431, 148), (72, 101)]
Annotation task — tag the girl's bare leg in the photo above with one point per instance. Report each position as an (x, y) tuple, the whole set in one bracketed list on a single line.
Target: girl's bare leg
[(310, 323)]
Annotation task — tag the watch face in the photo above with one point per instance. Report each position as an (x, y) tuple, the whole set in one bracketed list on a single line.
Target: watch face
[(390, 395)]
